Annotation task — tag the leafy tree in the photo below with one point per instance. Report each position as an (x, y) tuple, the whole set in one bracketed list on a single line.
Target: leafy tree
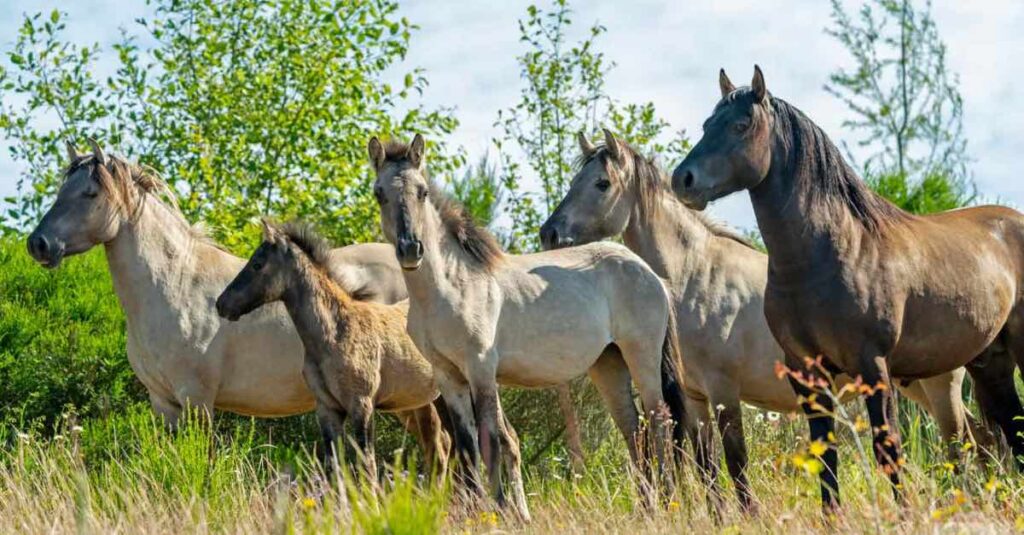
[(905, 101), (247, 107), (563, 94)]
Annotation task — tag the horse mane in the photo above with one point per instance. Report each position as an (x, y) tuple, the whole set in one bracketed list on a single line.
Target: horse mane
[(306, 238), (829, 177), (127, 184), (651, 184), (476, 241)]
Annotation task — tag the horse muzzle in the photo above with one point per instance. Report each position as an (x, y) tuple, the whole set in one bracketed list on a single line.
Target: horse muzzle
[(551, 238), (48, 252), (225, 310), (683, 186), (410, 253)]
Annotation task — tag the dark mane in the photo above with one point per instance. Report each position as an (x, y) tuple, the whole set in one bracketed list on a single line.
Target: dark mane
[(651, 184), (305, 237), (834, 182), (474, 240)]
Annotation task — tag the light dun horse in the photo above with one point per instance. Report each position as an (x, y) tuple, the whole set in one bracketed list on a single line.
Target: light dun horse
[(167, 275), (716, 282), (358, 357), (878, 292), (483, 317)]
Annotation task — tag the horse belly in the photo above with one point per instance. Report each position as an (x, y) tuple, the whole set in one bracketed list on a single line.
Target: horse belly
[(938, 337)]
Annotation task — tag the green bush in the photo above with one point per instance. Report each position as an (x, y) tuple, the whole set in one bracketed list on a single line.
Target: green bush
[(62, 339)]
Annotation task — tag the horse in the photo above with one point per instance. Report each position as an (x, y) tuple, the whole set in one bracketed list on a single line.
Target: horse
[(358, 357), (167, 275), (484, 317), (717, 280), (857, 285)]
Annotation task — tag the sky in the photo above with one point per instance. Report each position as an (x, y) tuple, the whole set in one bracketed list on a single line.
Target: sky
[(669, 53)]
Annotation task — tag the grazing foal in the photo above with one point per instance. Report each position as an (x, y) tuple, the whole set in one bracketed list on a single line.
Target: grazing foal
[(358, 356)]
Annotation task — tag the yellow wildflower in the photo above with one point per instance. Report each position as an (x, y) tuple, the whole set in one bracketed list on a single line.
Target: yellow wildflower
[(818, 448), (992, 484), (308, 503)]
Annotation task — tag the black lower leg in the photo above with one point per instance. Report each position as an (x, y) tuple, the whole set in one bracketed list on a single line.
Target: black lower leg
[(820, 420), (730, 427)]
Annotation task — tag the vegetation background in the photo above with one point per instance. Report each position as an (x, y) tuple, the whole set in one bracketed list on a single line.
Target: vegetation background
[(251, 108)]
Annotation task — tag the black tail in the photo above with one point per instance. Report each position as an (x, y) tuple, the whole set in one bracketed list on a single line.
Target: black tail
[(672, 383)]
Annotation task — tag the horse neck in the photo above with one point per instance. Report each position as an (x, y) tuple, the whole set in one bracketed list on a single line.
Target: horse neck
[(444, 267), (317, 305), (802, 230), (153, 259), (670, 239)]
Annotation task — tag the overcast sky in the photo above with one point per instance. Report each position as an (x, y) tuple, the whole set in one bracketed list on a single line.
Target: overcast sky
[(669, 53)]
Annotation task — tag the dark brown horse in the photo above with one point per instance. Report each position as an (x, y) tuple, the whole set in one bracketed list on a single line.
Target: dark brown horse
[(875, 291)]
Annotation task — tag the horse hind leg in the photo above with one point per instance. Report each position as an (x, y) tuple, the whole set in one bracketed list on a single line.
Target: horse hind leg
[(425, 424), (995, 390)]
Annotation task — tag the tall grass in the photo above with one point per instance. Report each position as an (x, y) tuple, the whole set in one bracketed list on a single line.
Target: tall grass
[(126, 474)]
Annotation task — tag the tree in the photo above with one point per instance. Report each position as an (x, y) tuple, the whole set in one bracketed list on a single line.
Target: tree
[(905, 101), (246, 107), (563, 95)]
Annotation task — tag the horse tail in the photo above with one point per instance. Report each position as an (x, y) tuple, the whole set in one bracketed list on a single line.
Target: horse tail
[(672, 382)]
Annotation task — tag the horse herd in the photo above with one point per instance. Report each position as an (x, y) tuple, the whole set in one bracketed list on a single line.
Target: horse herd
[(854, 291)]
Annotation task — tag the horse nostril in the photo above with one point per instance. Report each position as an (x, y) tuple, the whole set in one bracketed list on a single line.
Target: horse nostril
[(688, 180), (37, 245)]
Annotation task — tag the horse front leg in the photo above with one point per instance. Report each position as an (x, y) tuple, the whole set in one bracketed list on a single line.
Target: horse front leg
[(362, 426), (820, 412), (332, 424), (488, 415), (729, 416), (882, 413), (458, 401)]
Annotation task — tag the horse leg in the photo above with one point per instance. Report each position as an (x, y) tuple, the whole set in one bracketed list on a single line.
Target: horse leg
[(332, 425), (424, 423), (996, 393), (459, 403), (643, 357), (169, 410), (882, 412), (514, 461), (613, 382), (362, 427), (944, 401), (700, 432), (819, 410), (572, 427), (725, 398), (488, 414)]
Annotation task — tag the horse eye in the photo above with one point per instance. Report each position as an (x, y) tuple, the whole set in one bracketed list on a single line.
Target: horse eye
[(742, 126), (91, 194), (603, 185), (256, 266)]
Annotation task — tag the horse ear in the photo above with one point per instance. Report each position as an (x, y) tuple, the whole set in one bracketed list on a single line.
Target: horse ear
[(97, 152), (269, 230), (757, 85), (416, 150), (725, 84), (586, 147), (72, 151), (376, 150), (611, 144)]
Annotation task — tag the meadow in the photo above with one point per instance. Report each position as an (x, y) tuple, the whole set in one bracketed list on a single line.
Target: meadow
[(81, 452)]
